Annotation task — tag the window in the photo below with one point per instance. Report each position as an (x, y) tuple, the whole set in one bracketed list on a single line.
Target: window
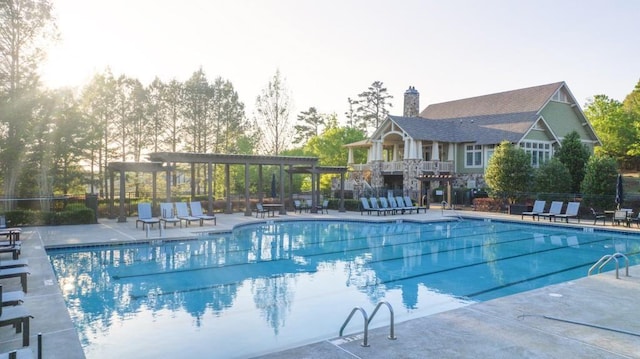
[(560, 96), (489, 150), (540, 152), (473, 156)]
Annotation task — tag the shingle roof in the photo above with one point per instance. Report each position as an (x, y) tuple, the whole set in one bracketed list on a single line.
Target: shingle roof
[(485, 119), (529, 99)]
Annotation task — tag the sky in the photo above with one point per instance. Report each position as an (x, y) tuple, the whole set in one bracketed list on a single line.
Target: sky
[(330, 50)]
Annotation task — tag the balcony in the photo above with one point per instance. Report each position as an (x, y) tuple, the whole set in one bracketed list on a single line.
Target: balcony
[(428, 167)]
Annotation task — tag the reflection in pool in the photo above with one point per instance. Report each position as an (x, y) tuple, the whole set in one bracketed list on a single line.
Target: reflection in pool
[(266, 287)]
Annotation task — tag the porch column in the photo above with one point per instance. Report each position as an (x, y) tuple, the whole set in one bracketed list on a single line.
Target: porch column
[(395, 152), (435, 148), (350, 156)]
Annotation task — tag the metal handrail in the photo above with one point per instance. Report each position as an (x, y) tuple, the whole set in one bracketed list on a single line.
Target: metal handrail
[(606, 259), (367, 321), (391, 329), (365, 342)]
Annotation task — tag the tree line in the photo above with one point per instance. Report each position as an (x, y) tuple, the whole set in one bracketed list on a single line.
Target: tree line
[(59, 141)]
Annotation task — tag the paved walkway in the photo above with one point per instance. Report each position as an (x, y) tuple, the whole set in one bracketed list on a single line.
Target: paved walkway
[(594, 317)]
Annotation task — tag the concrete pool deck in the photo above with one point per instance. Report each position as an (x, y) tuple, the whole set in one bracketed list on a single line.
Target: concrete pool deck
[(594, 317)]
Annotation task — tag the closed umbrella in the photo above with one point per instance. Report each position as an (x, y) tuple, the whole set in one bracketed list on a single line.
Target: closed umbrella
[(619, 192)]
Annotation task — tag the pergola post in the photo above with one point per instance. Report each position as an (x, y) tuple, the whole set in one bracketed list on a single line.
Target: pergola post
[(122, 217), (282, 209), (314, 203), (193, 180), (260, 185), (210, 188), (227, 186), (168, 186), (247, 202), (154, 186), (341, 205), (112, 186)]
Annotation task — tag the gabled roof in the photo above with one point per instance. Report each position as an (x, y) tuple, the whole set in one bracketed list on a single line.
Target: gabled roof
[(526, 100), (487, 119)]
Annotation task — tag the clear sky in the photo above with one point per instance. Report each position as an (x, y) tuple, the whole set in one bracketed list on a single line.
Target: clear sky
[(329, 50)]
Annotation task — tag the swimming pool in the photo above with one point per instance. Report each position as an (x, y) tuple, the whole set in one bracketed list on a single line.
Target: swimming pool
[(274, 285)]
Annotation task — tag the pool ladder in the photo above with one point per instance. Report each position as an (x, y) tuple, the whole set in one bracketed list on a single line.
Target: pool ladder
[(367, 321), (608, 258)]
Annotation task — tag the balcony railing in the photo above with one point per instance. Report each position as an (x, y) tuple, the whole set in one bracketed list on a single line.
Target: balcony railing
[(397, 166), (437, 166)]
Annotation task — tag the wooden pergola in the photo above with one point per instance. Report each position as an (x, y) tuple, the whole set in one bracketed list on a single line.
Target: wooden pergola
[(122, 168), (165, 162)]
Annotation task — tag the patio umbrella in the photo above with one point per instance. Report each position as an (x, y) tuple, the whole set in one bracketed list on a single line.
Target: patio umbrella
[(273, 186), (619, 192)]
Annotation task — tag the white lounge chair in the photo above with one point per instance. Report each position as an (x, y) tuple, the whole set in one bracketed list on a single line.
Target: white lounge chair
[(15, 272), (554, 210), (376, 207), (18, 317), (196, 211), (385, 205), (168, 215), (571, 212), (11, 298), (182, 212), (538, 207), (409, 203), (145, 217)]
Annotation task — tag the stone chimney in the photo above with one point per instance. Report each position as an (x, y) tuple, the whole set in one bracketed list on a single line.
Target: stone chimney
[(411, 102)]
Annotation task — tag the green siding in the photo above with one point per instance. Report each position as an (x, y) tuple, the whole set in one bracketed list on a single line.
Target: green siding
[(537, 135), (562, 119)]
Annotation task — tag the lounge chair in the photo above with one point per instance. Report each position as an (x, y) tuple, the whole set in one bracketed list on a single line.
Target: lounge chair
[(18, 317), (13, 249), (598, 215), (376, 207), (196, 211), (25, 353), (554, 210), (402, 207), (385, 205), (409, 203), (368, 208), (260, 210), (168, 215), (12, 234), (145, 217), (571, 212), (538, 207), (11, 298), (182, 212), (621, 216), (635, 219), (365, 207), (325, 207), (298, 206), (12, 263), (15, 272)]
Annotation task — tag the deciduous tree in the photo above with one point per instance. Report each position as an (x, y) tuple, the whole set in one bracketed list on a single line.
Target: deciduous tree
[(272, 117)]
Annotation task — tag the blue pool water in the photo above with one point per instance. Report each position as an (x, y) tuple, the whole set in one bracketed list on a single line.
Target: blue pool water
[(270, 286)]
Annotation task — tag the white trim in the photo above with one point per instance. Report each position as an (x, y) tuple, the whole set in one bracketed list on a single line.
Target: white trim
[(474, 151)]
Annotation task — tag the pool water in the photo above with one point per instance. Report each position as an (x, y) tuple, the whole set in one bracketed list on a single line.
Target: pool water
[(271, 286)]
